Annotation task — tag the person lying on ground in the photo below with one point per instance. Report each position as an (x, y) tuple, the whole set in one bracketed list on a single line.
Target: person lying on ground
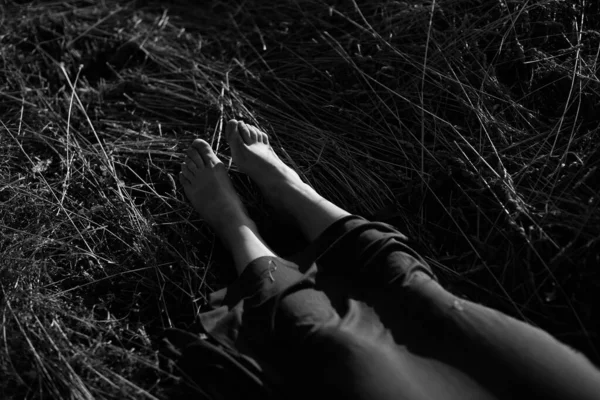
[(363, 315)]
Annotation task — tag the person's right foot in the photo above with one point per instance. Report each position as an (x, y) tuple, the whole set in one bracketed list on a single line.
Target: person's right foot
[(281, 185), (252, 153)]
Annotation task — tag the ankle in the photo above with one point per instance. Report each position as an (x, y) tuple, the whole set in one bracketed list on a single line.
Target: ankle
[(235, 234), (285, 187), (229, 223)]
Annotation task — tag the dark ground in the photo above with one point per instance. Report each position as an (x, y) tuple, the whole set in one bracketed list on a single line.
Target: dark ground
[(470, 125)]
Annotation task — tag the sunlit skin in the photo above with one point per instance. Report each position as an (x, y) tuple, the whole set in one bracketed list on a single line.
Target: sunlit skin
[(211, 193)]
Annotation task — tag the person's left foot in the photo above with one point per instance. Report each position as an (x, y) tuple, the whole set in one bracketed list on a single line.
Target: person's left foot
[(209, 189)]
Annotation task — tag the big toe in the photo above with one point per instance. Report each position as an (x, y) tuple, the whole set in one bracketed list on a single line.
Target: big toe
[(205, 152), (233, 134)]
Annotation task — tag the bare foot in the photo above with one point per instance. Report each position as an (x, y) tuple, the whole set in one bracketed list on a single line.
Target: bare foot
[(209, 189), (280, 184), (251, 151)]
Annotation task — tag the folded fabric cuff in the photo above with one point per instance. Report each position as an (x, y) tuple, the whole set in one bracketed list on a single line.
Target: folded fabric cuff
[(265, 278)]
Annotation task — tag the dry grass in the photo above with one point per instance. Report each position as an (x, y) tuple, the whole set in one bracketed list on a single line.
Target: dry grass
[(471, 125)]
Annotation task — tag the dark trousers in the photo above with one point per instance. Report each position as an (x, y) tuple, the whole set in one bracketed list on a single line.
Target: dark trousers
[(368, 320)]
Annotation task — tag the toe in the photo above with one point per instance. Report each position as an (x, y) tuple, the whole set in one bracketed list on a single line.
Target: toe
[(265, 137), (194, 156), (188, 170), (246, 133), (261, 136), (183, 180), (231, 130), (233, 133), (255, 133), (206, 152)]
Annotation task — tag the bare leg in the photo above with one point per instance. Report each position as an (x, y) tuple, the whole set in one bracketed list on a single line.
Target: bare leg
[(208, 188), (279, 183)]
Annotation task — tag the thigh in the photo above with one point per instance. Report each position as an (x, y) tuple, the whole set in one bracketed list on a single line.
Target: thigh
[(511, 358)]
